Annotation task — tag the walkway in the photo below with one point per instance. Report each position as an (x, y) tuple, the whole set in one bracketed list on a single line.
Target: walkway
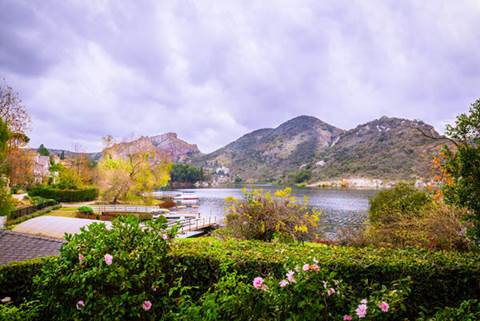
[(54, 226)]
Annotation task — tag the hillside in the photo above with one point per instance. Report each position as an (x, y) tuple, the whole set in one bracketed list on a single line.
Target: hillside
[(175, 149), (272, 153), (384, 148)]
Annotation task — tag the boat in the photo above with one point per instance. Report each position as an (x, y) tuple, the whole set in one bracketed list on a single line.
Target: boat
[(185, 196)]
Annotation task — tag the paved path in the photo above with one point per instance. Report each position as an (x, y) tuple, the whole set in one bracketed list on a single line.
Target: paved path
[(54, 226)]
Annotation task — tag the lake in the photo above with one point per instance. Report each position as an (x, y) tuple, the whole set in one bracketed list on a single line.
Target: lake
[(340, 207)]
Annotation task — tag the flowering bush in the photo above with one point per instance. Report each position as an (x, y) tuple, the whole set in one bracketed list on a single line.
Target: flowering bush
[(116, 273), (263, 216), (308, 292)]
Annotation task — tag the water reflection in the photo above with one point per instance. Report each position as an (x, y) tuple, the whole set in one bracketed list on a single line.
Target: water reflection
[(341, 207)]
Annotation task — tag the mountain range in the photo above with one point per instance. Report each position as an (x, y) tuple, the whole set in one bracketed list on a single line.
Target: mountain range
[(385, 148)]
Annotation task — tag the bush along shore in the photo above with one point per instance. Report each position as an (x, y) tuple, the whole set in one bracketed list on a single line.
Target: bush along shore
[(134, 273)]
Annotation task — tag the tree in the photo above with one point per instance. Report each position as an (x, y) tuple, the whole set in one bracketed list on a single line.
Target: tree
[(127, 176), (6, 204), (43, 151), (62, 155), (185, 173), (13, 112), (462, 165)]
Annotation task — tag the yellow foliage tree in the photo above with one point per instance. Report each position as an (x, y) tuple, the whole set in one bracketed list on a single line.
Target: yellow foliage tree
[(130, 176)]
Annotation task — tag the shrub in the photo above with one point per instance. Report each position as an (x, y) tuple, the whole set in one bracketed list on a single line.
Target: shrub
[(65, 195), (468, 310), (396, 203), (438, 278), (16, 279), (28, 311), (102, 273), (308, 293), (85, 209), (24, 218), (261, 216), (439, 227)]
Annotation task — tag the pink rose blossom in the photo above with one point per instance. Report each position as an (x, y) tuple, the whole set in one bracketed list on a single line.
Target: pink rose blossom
[(384, 306), (147, 305), (81, 257), (347, 317), (283, 283), (306, 267), (258, 283), (80, 305), (290, 277), (331, 291), (108, 259), (361, 311), (315, 267)]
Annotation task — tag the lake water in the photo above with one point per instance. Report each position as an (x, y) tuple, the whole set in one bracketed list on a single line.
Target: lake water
[(340, 207)]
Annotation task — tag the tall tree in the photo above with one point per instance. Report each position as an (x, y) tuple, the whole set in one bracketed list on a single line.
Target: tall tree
[(43, 151), (5, 197), (131, 174), (462, 165), (13, 112)]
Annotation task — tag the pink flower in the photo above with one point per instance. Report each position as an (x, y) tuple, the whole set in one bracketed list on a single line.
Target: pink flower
[(331, 291), (258, 283), (283, 283), (361, 311), (384, 306), (315, 267), (108, 259), (290, 277), (347, 317), (80, 305), (306, 267), (165, 237), (81, 257), (147, 305)]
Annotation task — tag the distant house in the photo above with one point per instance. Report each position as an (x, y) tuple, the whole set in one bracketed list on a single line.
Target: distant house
[(41, 168)]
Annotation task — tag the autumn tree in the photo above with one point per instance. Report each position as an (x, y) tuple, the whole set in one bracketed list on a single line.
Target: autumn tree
[(43, 151), (132, 173), (462, 165), (19, 162)]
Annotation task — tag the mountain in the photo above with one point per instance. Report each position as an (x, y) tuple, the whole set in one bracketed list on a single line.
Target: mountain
[(391, 148), (175, 149), (271, 153), (386, 148)]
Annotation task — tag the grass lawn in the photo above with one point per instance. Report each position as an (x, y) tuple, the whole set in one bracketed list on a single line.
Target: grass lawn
[(64, 211)]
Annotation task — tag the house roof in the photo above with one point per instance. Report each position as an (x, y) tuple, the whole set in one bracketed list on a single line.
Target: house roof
[(15, 246)]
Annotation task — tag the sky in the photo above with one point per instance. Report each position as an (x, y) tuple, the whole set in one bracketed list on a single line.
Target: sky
[(213, 71)]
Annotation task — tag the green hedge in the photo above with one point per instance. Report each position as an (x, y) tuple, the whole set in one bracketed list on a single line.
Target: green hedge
[(16, 279), (65, 195), (439, 278)]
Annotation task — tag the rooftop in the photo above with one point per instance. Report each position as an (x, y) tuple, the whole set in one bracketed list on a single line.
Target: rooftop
[(15, 246)]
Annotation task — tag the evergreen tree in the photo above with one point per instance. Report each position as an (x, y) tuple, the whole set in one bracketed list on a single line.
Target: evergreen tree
[(43, 151)]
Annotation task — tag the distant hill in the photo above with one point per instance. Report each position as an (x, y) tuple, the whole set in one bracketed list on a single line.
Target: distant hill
[(168, 144), (386, 148), (271, 153), (390, 148)]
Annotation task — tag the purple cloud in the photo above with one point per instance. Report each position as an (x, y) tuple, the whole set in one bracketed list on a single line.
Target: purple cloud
[(212, 71)]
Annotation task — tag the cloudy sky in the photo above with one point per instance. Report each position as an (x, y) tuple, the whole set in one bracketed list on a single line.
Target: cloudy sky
[(214, 70)]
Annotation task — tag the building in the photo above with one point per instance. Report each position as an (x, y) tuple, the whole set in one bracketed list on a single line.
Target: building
[(41, 168)]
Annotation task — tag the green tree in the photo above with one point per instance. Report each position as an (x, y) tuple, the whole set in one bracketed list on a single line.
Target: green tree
[(6, 204), (62, 155), (43, 151), (462, 164), (186, 173)]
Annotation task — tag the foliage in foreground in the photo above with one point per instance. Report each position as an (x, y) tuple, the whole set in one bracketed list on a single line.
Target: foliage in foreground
[(262, 216), (109, 274), (462, 166)]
